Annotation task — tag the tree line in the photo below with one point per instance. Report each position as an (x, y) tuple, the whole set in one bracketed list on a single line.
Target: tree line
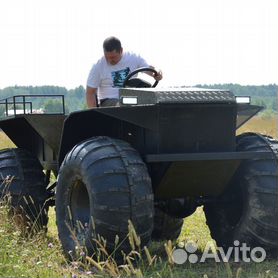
[(264, 95), (74, 99)]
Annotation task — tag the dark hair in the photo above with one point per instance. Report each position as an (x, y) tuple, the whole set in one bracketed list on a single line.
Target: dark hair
[(111, 44)]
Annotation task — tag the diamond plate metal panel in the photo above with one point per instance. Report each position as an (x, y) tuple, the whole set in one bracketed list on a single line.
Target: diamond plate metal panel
[(179, 95), (194, 96)]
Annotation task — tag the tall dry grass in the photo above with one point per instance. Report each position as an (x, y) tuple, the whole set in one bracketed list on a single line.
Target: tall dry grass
[(263, 125), (5, 141)]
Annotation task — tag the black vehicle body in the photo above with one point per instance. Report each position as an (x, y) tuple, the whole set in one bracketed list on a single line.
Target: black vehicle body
[(185, 136)]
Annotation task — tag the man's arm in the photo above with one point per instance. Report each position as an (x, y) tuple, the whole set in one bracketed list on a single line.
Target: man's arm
[(91, 97)]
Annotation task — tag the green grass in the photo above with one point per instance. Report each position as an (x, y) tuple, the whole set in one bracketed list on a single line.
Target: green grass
[(37, 256), (41, 255)]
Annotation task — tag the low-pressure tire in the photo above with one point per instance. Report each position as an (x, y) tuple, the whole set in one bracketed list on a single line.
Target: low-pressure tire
[(23, 186), (251, 213), (166, 227), (102, 184)]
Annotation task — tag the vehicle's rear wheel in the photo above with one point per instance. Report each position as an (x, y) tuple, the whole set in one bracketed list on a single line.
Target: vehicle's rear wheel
[(23, 185), (166, 227), (102, 184), (251, 213)]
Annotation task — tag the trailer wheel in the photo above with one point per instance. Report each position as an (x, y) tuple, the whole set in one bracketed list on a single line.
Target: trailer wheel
[(23, 186), (166, 227), (251, 213), (102, 184)]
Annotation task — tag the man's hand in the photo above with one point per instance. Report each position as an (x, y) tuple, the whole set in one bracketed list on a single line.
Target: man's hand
[(91, 97), (158, 76)]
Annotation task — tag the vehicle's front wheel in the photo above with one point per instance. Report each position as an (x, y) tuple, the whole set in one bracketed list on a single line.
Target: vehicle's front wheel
[(102, 184)]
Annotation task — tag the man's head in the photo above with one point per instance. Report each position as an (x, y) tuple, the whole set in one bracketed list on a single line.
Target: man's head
[(112, 50)]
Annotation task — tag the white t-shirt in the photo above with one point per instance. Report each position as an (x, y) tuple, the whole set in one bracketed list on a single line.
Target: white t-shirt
[(109, 78)]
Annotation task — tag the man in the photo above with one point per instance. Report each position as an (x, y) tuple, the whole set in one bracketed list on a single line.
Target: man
[(109, 73)]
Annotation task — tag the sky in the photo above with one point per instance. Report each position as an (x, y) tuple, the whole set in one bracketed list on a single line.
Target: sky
[(56, 42)]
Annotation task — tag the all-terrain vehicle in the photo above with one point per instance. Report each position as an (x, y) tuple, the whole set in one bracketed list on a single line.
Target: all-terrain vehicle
[(152, 160)]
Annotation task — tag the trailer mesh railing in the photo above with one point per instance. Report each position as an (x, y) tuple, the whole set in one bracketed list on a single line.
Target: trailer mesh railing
[(32, 104)]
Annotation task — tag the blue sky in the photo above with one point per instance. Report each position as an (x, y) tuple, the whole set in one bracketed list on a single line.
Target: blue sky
[(55, 42)]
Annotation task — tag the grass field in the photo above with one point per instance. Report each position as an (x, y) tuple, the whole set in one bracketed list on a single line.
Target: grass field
[(41, 255), (267, 126)]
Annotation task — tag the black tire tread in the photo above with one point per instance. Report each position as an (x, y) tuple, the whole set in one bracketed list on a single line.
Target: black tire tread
[(106, 159), (166, 227), (27, 181), (259, 224)]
